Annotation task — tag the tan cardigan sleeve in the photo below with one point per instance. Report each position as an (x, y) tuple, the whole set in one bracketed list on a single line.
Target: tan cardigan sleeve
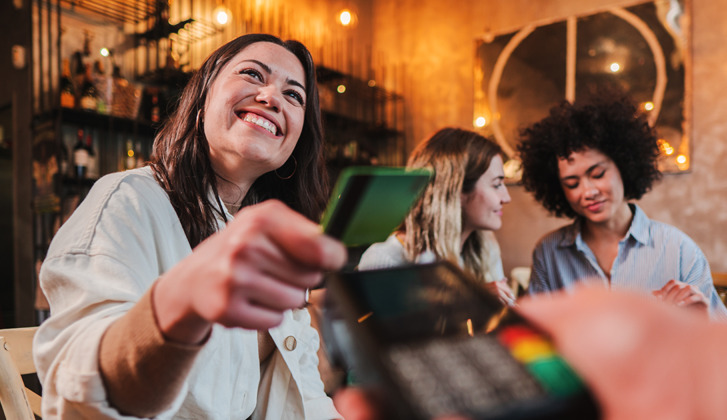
[(142, 371)]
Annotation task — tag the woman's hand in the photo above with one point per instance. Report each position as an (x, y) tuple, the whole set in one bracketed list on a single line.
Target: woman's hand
[(502, 290), (682, 294), (246, 275)]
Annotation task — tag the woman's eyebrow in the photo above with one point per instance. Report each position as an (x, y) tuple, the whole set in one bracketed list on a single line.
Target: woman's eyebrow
[(264, 66), (295, 83), (588, 171), (268, 70), (595, 166)]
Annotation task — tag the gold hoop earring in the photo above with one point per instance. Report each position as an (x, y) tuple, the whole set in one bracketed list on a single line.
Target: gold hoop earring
[(295, 166)]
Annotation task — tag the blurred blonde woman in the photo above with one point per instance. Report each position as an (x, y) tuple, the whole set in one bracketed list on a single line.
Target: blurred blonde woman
[(457, 212)]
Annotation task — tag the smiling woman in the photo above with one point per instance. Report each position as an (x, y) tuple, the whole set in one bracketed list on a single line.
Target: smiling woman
[(232, 80), (457, 212), (168, 303), (253, 116)]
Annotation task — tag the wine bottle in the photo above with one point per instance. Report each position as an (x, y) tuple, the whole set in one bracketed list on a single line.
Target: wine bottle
[(68, 92), (79, 69), (89, 94), (64, 158), (92, 166), (80, 156)]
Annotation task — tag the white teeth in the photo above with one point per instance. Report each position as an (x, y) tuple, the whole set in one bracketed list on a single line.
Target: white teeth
[(260, 121)]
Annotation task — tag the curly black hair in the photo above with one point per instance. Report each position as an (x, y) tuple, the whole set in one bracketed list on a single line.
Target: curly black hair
[(610, 125)]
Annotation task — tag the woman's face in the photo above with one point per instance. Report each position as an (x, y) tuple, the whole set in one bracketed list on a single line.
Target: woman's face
[(254, 112), (482, 207), (592, 185)]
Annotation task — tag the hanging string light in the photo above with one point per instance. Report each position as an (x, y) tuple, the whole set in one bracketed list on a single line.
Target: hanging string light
[(221, 14), (347, 18)]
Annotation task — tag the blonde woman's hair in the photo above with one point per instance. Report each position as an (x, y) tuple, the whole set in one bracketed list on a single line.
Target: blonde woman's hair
[(458, 158)]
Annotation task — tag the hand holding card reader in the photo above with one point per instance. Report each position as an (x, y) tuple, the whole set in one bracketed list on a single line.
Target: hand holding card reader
[(369, 202), (434, 343)]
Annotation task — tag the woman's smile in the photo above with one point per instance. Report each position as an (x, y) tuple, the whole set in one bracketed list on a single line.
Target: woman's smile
[(256, 120)]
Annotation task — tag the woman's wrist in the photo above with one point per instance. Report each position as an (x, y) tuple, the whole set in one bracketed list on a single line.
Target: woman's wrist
[(174, 315)]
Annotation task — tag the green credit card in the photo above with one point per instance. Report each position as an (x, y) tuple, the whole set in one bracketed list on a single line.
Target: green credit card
[(369, 202)]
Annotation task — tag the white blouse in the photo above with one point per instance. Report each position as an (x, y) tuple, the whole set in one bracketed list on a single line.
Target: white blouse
[(122, 237)]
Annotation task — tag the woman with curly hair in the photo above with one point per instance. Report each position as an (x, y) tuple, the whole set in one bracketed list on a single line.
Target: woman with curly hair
[(588, 163), (457, 212)]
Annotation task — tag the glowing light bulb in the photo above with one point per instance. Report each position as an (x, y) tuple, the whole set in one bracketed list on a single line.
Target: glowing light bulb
[(104, 52), (221, 15), (665, 147), (648, 106), (345, 18), (615, 67), (480, 122), (681, 159), (341, 88)]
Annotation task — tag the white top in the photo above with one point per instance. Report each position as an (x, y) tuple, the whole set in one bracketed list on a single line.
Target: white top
[(391, 253), (122, 237)]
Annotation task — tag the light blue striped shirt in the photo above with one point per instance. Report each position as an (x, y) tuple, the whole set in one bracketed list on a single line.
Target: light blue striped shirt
[(651, 254)]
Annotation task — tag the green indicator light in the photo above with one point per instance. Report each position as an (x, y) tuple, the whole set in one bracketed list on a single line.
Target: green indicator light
[(555, 376)]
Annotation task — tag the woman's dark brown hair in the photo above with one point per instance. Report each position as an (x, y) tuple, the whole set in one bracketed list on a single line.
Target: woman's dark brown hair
[(181, 162)]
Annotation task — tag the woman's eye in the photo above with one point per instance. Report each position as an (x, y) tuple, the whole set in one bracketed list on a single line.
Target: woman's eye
[(296, 96), (252, 73), (600, 174), (571, 186)]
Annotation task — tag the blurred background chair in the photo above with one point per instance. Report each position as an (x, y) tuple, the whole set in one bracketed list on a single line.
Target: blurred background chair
[(16, 359), (720, 283)]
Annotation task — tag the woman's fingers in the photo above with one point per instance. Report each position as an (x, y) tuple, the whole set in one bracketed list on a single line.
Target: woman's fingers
[(506, 290), (247, 314), (248, 274), (297, 237), (681, 294), (503, 292), (696, 299), (265, 290), (672, 291)]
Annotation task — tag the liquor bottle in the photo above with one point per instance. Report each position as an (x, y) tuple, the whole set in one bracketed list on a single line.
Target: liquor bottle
[(130, 161), (92, 167), (103, 88), (172, 59), (80, 156), (68, 92), (154, 108), (89, 94), (125, 96), (78, 64), (138, 155), (87, 42)]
